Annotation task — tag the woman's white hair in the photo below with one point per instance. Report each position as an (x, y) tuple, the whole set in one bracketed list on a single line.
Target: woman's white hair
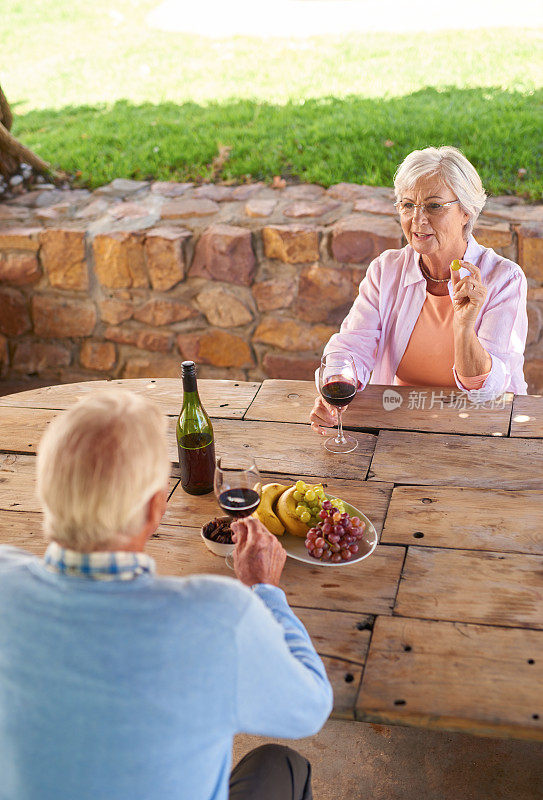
[(453, 168), (99, 464)]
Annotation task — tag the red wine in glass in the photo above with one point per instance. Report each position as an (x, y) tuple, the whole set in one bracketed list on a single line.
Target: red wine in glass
[(338, 383), (338, 393), (240, 502), (238, 490)]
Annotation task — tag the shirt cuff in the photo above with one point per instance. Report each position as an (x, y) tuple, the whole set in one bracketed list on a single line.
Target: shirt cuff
[(273, 596), (474, 382), (494, 385)]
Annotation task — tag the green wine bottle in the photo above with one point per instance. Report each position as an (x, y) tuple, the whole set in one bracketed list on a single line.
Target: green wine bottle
[(195, 443)]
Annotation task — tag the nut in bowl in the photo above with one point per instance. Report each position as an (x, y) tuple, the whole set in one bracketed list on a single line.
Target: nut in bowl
[(217, 536)]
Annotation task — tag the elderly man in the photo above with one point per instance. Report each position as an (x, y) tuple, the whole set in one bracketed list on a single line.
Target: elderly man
[(117, 684)]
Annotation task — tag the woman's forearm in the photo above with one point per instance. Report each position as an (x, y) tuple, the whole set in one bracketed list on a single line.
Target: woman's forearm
[(470, 357)]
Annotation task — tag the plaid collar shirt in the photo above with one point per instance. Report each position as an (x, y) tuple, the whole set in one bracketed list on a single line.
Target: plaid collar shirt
[(99, 566)]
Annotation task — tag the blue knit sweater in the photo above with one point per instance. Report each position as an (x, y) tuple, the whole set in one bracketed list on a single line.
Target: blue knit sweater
[(133, 690)]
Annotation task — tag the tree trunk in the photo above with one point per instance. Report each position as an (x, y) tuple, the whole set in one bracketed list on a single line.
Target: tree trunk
[(12, 152)]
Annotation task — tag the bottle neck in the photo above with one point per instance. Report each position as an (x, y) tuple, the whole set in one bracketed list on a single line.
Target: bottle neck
[(189, 384)]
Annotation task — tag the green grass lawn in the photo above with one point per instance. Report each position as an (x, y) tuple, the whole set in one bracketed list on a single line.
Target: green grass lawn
[(114, 99)]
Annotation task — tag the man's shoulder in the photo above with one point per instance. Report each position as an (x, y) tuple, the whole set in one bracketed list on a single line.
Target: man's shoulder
[(13, 557)]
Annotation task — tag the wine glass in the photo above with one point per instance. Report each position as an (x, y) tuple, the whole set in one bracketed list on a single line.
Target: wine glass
[(238, 490), (338, 383)]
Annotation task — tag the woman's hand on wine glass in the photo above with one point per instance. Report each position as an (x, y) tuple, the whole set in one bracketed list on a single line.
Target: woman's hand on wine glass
[(258, 556), (322, 415)]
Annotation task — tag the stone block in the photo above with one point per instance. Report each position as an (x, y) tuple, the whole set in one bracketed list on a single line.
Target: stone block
[(530, 250), (63, 258), (324, 294), (14, 317), (490, 233), (219, 348), (170, 188), (156, 366), (35, 357), (113, 311), (291, 369), (119, 261), (164, 312), (96, 208), (128, 211), (223, 308), (4, 354), (362, 237), (19, 268), (247, 190), (533, 375), (210, 191), (20, 239), (188, 208), (225, 253), (99, 356), (274, 294), (304, 191), (142, 338), (347, 192), (122, 186), (534, 323), (60, 317), (288, 334), (164, 253), (293, 244), (376, 205), (260, 207), (309, 209)]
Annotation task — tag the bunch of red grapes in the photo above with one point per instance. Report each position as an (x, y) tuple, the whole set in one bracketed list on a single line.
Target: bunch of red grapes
[(335, 537)]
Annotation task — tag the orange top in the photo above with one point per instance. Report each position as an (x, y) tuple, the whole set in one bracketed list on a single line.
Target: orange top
[(429, 356)]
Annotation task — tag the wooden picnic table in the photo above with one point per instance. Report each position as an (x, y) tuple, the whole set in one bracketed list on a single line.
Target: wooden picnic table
[(442, 626)]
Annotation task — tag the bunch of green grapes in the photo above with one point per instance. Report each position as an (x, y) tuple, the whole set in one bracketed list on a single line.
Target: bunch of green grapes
[(309, 499)]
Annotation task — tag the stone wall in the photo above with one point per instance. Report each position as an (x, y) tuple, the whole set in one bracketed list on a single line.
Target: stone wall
[(249, 281)]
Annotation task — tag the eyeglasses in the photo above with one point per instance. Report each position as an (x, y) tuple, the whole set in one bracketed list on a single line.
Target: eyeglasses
[(407, 209)]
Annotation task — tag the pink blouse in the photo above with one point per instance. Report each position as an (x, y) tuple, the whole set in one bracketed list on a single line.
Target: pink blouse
[(378, 327)]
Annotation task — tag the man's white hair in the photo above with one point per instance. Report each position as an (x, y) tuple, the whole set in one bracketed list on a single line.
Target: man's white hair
[(453, 168), (99, 464)]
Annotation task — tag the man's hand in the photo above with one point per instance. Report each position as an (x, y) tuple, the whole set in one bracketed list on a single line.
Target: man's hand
[(258, 556)]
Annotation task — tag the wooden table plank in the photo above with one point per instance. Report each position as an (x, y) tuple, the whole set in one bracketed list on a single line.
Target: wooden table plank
[(22, 428), (370, 498), (467, 519), (527, 416), (430, 409), (470, 586), (449, 460), (23, 529), (221, 398), (367, 587), (276, 448), (345, 678), (18, 483), (470, 678)]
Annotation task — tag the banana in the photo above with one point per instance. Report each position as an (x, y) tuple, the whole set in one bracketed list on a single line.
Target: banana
[(270, 493), (285, 510)]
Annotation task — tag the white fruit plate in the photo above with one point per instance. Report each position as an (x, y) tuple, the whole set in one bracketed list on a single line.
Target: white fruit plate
[(295, 545)]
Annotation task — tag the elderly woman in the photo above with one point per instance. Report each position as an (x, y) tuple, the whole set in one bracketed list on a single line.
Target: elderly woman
[(419, 322)]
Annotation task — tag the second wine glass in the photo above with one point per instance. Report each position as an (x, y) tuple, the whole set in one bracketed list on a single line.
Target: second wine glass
[(238, 490), (338, 383)]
